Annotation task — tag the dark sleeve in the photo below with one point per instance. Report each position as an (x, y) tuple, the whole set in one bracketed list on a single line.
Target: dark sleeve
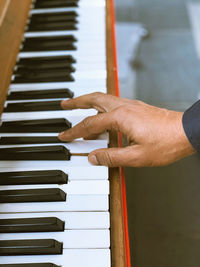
[(191, 125)]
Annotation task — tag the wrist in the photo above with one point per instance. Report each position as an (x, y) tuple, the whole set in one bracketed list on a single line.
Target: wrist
[(186, 145), (180, 145), (191, 125)]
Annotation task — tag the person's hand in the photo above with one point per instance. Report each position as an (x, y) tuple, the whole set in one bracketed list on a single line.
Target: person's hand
[(156, 136)]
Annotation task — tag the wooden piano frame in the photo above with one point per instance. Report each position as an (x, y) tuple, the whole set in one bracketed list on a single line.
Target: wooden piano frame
[(13, 16)]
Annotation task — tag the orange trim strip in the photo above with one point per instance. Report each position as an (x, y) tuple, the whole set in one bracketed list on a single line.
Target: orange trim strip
[(124, 202), (114, 47)]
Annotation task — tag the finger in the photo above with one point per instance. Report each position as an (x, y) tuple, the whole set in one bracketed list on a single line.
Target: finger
[(131, 156), (99, 101), (91, 137), (90, 126)]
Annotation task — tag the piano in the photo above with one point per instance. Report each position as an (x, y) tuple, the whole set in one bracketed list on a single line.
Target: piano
[(55, 208)]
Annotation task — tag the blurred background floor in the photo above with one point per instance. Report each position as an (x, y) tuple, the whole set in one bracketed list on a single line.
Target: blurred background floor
[(162, 69)]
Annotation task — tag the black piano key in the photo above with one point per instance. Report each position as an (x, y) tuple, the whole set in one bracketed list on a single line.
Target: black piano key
[(30, 247), (57, 77), (35, 153), (33, 106), (56, 69), (45, 67), (32, 195), (49, 43), (54, 17), (33, 177), (30, 225), (47, 62), (40, 94), (30, 265), (51, 40), (57, 46), (35, 126), (43, 75), (55, 4), (17, 140), (32, 72), (52, 26), (41, 72)]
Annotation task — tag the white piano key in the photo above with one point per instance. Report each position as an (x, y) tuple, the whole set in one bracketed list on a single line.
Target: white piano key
[(81, 11), (97, 85), (95, 3), (73, 220), (81, 55), (103, 136), (73, 203), (90, 3), (80, 37), (75, 161), (76, 146), (71, 239), (70, 257), (47, 114), (88, 67), (74, 173), (97, 187), (90, 53)]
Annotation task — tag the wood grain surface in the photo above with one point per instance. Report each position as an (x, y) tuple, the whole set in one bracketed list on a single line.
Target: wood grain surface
[(14, 15), (116, 211)]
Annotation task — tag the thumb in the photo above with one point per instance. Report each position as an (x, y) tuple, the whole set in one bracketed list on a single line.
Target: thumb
[(131, 156)]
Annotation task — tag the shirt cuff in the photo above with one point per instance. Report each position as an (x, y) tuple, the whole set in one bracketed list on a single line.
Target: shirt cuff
[(191, 125)]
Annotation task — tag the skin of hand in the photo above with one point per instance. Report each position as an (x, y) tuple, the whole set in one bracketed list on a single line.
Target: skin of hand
[(155, 135)]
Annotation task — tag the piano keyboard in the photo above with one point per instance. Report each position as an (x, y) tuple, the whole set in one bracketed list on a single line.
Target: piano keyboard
[(54, 205)]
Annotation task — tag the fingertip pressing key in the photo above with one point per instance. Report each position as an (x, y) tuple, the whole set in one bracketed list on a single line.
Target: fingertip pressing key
[(61, 136), (93, 159), (62, 103)]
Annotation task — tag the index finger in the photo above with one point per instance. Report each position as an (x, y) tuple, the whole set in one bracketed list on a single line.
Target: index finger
[(99, 101), (93, 125)]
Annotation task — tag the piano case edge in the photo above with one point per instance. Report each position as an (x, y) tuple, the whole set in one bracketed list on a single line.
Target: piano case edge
[(12, 24), (120, 248)]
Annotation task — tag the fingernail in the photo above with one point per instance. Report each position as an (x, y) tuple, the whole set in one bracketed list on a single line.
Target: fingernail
[(93, 160), (61, 134), (62, 103)]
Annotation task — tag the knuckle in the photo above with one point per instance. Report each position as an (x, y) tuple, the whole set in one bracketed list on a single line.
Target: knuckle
[(97, 95), (105, 159), (96, 99), (75, 102), (116, 113), (86, 122), (122, 111), (109, 159), (87, 125)]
